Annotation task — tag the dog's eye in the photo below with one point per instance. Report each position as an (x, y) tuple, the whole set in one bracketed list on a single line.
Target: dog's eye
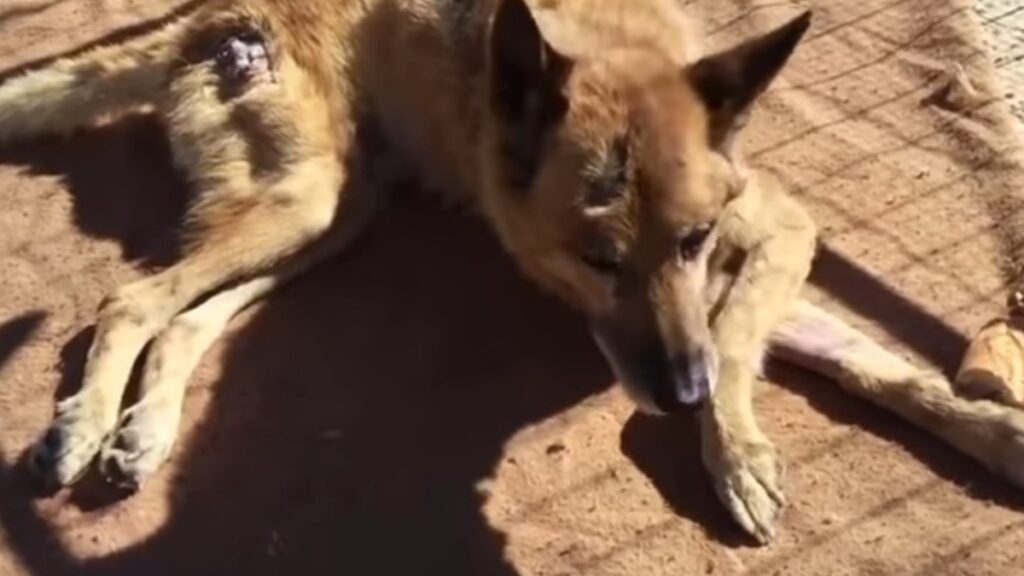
[(602, 264), (692, 241), (603, 259)]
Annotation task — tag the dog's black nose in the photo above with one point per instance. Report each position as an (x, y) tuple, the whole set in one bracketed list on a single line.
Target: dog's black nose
[(692, 379)]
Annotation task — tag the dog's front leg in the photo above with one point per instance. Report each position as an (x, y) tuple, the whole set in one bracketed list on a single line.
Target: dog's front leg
[(776, 237)]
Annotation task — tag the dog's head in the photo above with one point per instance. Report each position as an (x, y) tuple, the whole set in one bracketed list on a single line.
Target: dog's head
[(605, 180)]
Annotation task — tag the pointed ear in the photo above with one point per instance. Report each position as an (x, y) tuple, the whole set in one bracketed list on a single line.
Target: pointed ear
[(527, 79), (526, 71), (730, 81)]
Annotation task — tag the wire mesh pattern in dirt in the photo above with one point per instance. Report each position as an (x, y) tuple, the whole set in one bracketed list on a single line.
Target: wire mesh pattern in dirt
[(1003, 21), (465, 427)]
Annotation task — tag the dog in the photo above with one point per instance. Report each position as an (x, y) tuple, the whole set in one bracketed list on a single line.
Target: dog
[(595, 138)]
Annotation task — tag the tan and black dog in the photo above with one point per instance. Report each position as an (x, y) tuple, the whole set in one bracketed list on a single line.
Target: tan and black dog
[(592, 135)]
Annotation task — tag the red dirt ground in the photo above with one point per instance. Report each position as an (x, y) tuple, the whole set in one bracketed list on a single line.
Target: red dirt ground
[(450, 420)]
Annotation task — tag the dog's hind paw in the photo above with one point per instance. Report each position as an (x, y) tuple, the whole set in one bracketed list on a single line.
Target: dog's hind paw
[(1006, 455), (141, 444), (70, 444)]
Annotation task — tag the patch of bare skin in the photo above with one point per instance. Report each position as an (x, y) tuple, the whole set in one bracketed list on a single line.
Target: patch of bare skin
[(243, 58)]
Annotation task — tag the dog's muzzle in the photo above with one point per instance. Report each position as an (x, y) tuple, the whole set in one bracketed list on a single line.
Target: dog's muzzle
[(658, 383)]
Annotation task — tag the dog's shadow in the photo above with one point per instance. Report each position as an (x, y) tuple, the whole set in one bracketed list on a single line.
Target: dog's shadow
[(121, 182), (359, 408), (356, 410), (667, 451)]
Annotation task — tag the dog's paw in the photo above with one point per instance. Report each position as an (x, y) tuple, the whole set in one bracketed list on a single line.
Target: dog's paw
[(1007, 441), (990, 432), (71, 443), (141, 444), (747, 477)]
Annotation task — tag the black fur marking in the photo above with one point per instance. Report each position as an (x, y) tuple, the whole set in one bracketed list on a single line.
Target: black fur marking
[(730, 81), (527, 83), (521, 158), (464, 23)]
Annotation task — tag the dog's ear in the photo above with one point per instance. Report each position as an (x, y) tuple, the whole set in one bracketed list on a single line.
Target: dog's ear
[(528, 79), (526, 71), (730, 81)]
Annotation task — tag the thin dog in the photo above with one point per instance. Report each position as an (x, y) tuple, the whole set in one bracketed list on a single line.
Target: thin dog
[(594, 137)]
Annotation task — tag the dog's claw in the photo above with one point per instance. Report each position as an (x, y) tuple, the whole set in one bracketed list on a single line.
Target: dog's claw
[(71, 443), (140, 446), (1001, 442), (747, 479)]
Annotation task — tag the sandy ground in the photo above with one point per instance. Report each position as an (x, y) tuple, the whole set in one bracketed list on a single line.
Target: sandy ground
[(450, 420)]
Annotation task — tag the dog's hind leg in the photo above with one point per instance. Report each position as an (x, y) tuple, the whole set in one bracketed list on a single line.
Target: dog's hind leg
[(148, 429), (991, 433), (269, 172), (260, 236)]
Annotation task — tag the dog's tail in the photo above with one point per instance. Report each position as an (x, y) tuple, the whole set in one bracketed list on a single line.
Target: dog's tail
[(96, 85), (991, 433)]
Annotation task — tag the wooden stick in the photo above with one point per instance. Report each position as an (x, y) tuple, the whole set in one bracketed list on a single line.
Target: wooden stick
[(993, 366)]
